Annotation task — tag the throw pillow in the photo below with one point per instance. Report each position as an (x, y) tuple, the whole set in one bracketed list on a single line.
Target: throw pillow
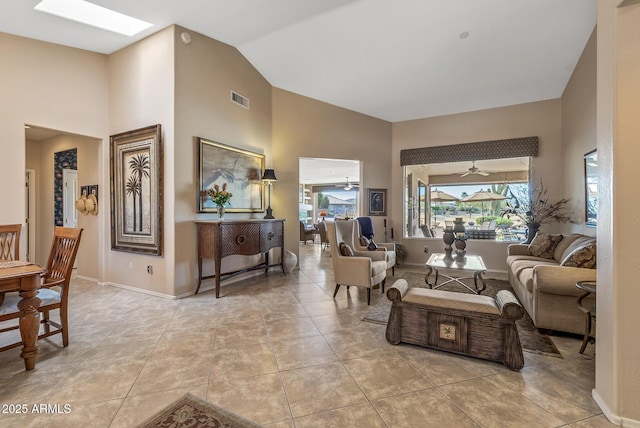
[(346, 250), (372, 246), (581, 257), (543, 245), (364, 241)]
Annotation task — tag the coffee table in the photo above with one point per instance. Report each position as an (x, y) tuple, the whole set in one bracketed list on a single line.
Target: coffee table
[(467, 265)]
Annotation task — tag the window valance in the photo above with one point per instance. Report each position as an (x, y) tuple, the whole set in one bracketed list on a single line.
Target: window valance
[(496, 149)]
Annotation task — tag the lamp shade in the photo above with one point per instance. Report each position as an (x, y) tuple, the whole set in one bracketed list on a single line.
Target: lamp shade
[(269, 175), (323, 213)]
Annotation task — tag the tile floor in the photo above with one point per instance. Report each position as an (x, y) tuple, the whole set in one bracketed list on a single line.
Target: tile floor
[(281, 352)]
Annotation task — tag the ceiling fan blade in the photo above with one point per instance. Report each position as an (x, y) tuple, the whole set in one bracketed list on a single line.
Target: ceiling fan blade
[(482, 173), (465, 174)]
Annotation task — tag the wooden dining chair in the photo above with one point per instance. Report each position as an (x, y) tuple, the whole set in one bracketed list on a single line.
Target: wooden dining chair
[(54, 291), (10, 241)]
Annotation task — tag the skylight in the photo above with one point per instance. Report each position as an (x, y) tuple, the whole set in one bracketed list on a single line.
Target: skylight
[(94, 15)]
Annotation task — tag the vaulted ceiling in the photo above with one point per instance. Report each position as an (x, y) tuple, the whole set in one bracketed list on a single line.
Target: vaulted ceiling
[(394, 60)]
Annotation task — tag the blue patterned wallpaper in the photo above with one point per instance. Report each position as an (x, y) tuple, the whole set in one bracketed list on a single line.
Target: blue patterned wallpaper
[(62, 160)]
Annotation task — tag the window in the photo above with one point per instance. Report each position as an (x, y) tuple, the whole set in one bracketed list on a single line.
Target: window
[(435, 195)]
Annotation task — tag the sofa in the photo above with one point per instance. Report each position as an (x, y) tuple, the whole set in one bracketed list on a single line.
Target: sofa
[(544, 273)]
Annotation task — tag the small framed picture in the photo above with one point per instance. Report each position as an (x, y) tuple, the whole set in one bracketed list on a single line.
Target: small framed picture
[(377, 202)]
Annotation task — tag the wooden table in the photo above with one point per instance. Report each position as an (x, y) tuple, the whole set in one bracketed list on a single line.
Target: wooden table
[(219, 239), (26, 280), (588, 287), (468, 263)]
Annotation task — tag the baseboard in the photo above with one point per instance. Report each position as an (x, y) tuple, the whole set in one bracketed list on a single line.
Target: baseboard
[(140, 290), (86, 278), (612, 417)]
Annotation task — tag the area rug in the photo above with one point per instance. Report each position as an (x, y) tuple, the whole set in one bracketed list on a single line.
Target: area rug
[(530, 338), (190, 411)]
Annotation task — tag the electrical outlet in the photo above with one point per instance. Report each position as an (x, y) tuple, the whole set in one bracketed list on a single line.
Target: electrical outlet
[(150, 270), (426, 249)]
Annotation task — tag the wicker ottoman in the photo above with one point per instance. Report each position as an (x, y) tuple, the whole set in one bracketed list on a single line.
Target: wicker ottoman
[(468, 324)]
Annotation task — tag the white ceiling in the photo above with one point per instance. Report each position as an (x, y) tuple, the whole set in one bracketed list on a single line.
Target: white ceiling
[(394, 60)]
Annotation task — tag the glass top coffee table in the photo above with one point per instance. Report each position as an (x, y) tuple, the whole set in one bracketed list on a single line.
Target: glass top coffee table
[(467, 265)]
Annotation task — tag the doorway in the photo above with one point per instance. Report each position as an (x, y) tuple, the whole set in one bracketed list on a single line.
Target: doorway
[(329, 189)]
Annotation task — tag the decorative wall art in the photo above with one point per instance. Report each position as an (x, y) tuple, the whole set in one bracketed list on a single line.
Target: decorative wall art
[(62, 160), (377, 202), (240, 169), (136, 191)]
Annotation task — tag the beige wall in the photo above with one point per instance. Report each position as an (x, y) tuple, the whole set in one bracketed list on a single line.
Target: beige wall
[(54, 87), (541, 119), (206, 72), (304, 127), (141, 83), (40, 157), (579, 132), (618, 348)]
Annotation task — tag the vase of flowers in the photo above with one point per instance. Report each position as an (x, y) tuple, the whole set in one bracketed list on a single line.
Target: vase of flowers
[(538, 210), (220, 197)]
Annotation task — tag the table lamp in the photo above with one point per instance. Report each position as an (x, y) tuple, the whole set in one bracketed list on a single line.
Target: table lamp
[(269, 177), (323, 213)]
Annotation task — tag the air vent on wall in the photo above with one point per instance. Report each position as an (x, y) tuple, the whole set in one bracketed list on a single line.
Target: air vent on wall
[(241, 100)]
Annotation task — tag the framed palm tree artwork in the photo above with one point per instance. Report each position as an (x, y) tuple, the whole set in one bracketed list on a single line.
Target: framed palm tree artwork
[(136, 191)]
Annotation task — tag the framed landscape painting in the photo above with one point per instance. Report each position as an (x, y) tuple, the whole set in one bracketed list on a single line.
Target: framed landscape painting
[(241, 170), (136, 191)]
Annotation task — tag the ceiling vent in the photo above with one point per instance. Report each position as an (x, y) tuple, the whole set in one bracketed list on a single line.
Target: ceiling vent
[(241, 100)]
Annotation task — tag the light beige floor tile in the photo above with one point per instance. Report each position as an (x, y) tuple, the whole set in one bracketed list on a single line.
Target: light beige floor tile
[(165, 375), (593, 422), (292, 328), (359, 415), (138, 409), (119, 353), (29, 387), (242, 361), (384, 375), (552, 391), (320, 388), (442, 368), (237, 334), (303, 352), (96, 415), (260, 399), (97, 383), (360, 342), (421, 409), (492, 404)]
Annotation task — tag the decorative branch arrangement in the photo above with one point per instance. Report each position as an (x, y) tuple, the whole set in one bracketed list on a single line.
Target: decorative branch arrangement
[(538, 210)]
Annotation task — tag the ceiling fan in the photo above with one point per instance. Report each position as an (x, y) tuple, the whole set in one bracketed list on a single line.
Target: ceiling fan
[(473, 170), (348, 185)]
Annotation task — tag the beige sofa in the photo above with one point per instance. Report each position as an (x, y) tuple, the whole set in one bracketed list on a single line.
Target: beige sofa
[(548, 290)]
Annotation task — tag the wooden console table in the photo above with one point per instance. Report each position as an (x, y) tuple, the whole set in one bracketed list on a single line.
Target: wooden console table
[(218, 239)]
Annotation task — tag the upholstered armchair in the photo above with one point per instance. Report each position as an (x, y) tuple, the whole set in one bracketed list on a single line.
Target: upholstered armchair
[(387, 248), (306, 234), (358, 269), (324, 235)]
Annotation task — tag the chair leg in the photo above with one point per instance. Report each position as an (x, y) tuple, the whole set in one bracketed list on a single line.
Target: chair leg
[(368, 296), (383, 283), (393, 270), (65, 326), (45, 321), (336, 292)]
